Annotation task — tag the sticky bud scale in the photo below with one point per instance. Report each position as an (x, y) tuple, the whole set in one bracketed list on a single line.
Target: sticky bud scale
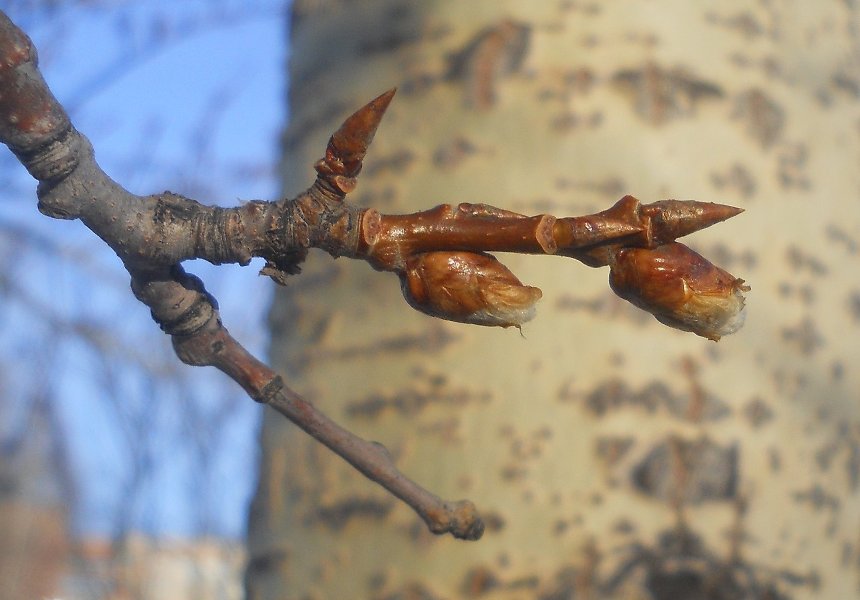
[(467, 287), (680, 288)]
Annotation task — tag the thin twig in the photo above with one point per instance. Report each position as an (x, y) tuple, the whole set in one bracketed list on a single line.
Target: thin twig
[(440, 255)]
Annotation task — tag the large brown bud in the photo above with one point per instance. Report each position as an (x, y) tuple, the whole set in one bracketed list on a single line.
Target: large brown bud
[(680, 288), (467, 287)]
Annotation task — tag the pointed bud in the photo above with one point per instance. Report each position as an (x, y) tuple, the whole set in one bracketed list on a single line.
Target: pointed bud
[(348, 145), (467, 287), (671, 219), (680, 288)]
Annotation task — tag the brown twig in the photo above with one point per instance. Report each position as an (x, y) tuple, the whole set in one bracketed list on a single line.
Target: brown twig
[(214, 346), (440, 255), (389, 239)]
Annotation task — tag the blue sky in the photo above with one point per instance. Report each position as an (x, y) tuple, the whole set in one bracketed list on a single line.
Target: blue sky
[(178, 96)]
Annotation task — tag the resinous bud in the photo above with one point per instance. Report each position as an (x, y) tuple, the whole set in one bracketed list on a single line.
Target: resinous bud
[(467, 287), (680, 288)]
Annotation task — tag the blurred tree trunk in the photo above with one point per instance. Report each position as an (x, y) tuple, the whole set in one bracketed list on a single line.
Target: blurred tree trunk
[(612, 457)]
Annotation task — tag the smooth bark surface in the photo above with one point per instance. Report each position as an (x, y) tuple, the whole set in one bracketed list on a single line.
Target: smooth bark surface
[(613, 458)]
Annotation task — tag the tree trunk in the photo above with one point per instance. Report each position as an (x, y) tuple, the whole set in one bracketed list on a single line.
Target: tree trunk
[(611, 456)]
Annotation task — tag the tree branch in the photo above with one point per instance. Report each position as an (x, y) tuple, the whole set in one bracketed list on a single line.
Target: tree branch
[(440, 255)]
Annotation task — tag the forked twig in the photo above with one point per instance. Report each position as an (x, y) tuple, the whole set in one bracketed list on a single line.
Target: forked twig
[(440, 255)]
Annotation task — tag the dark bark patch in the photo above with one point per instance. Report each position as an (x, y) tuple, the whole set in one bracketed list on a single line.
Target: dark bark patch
[(660, 95), (337, 515), (688, 471)]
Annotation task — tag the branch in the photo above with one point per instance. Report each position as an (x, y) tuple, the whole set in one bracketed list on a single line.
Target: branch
[(440, 255)]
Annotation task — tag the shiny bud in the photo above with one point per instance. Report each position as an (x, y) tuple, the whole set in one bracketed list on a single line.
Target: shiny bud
[(467, 287), (680, 288)]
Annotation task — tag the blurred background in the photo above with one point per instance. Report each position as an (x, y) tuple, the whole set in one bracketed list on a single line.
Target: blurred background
[(611, 457), (115, 460)]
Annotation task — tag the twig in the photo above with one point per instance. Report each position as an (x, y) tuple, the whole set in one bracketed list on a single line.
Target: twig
[(440, 255)]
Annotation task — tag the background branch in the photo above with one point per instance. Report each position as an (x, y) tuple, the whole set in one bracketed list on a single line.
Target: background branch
[(440, 255)]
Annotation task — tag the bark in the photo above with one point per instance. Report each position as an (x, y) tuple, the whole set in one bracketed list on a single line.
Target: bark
[(439, 255), (611, 457)]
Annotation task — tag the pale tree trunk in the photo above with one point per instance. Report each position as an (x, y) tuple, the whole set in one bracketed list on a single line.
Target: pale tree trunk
[(612, 457)]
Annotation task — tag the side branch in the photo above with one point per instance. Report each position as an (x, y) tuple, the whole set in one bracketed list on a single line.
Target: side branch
[(200, 339), (441, 256), (153, 234)]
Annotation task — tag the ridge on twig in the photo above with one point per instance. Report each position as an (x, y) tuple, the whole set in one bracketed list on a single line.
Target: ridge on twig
[(441, 256)]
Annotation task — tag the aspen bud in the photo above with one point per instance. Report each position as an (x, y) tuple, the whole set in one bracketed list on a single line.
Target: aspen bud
[(467, 287), (680, 288)]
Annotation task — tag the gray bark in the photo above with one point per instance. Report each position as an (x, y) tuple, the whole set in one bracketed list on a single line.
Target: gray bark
[(612, 456)]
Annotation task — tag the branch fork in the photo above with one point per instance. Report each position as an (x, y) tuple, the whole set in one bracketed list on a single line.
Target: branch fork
[(441, 256)]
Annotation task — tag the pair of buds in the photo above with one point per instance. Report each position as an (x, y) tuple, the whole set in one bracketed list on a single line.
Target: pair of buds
[(647, 267), (675, 284)]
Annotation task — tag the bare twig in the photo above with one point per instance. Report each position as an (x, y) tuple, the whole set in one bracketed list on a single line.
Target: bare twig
[(440, 255)]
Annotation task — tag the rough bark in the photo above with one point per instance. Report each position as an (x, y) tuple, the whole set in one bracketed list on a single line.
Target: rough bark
[(614, 458)]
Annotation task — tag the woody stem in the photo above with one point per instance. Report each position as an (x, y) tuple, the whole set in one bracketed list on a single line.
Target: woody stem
[(386, 241)]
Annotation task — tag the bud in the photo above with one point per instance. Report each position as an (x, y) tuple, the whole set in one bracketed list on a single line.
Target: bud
[(467, 287), (680, 288)]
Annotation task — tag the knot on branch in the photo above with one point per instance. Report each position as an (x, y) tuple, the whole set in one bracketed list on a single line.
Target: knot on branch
[(314, 220), (216, 233), (177, 300), (288, 241), (53, 161)]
